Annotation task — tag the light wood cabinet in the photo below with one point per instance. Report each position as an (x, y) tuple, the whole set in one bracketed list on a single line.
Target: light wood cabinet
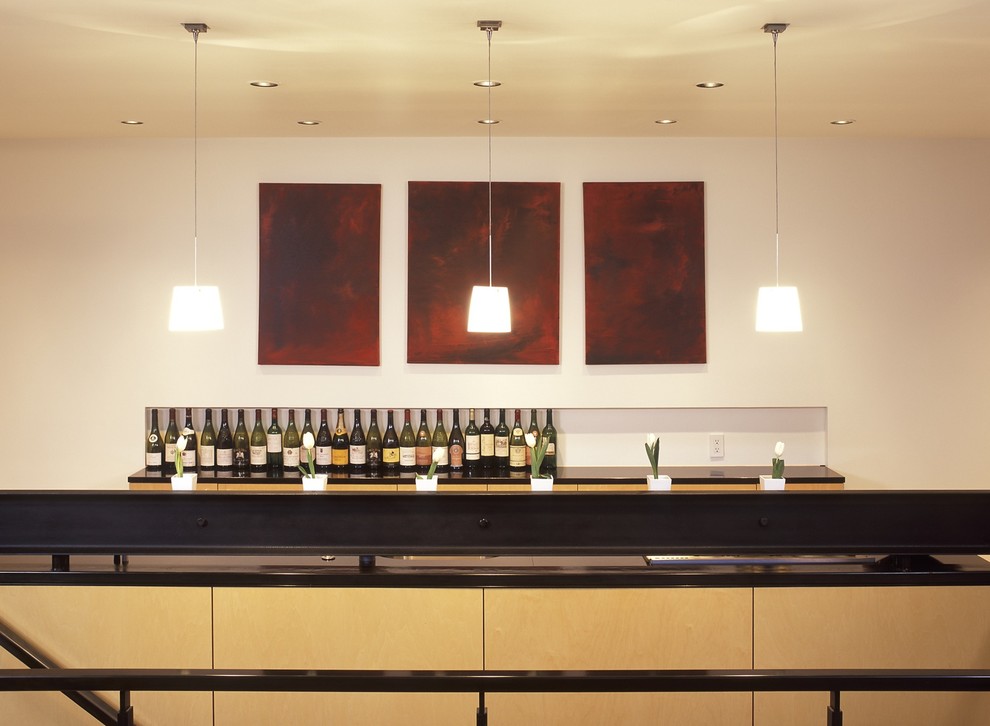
[(873, 627), (618, 629)]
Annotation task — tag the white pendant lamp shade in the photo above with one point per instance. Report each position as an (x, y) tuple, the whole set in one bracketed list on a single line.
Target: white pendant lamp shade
[(489, 311), (195, 308), (778, 310)]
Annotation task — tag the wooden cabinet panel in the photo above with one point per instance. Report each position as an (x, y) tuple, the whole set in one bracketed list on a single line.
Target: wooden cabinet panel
[(347, 628), (105, 627), (599, 629), (894, 627)]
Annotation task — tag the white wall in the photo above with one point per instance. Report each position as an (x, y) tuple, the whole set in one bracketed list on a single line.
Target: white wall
[(887, 241)]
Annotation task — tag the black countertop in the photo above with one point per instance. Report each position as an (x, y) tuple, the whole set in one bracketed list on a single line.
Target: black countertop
[(715, 475)]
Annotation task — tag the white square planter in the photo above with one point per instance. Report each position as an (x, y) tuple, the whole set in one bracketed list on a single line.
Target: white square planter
[(658, 483), (316, 483), (426, 485), (768, 483), (184, 483), (541, 484)]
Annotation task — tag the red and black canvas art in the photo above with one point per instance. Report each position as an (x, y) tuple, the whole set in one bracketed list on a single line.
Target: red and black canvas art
[(644, 247), (448, 255), (319, 274)]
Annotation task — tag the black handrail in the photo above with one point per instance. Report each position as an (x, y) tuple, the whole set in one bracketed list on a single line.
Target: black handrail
[(33, 658), (496, 681)]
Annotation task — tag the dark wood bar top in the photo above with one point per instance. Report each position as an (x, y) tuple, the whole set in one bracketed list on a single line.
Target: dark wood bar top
[(599, 475)]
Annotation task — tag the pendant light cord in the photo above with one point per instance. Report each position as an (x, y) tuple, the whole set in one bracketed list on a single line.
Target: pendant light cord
[(776, 164), (491, 122), (195, 34)]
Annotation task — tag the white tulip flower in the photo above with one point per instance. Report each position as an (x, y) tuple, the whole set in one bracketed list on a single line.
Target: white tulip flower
[(778, 449), (530, 439), (308, 441)]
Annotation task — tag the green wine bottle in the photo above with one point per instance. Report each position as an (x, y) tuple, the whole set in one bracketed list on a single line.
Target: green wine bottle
[(501, 443), (290, 443), (225, 444), (154, 447), (340, 449), (242, 445), (487, 442), (472, 445), (390, 446), (456, 443), (324, 444), (424, 444), (517, 446), (208, 444), (273, 445), (549, 465), (440, 445), (259, 444), (357, 456), (407, 446), (374, 444)]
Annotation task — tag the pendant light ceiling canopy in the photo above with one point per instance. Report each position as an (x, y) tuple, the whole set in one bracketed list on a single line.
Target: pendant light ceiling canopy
[(489, 310), (195, 307), (778, 309)]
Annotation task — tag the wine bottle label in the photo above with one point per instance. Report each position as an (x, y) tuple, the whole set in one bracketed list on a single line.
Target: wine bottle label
[(323, 456), (259, 455), (501, 446), (169, 453), (551, 449), (290, 457), (488, 445), (225, 458), (444, 455), (359, 454), (374, 457), (391, 456), (456, 456), (472, 448), (517, 456), (153, 459), (338, 457), (423, 454), (407, 455), (189, 457), (152, 438), (240, 458), (274, 443), (207, 455)]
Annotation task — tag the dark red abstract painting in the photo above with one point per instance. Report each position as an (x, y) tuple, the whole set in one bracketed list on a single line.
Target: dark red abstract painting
[(448, 255), (644, 252), (319, 275)]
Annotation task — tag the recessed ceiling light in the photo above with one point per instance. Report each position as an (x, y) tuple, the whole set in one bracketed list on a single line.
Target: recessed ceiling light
[(488, 84), (264, 84), (131, 122), (308, 123), (843, 121), (710, 84), (488, 121), (665, 121)]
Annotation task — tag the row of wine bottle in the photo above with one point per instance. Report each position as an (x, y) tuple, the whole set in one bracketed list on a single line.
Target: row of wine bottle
[(475, 449)]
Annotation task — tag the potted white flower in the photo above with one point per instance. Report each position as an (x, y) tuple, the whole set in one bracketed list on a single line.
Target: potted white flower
[(538, 450), (182, 480), (428, 482), (657, 482), (775, 480), (312, 482)]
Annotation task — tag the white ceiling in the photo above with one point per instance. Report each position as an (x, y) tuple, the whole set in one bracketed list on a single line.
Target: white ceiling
[(901, 68)]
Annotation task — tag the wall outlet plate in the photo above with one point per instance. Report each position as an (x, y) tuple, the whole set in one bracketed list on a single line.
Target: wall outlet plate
[(716, 446)]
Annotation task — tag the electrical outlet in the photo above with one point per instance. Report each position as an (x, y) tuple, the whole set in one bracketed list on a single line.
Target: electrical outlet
[(716, 446)]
